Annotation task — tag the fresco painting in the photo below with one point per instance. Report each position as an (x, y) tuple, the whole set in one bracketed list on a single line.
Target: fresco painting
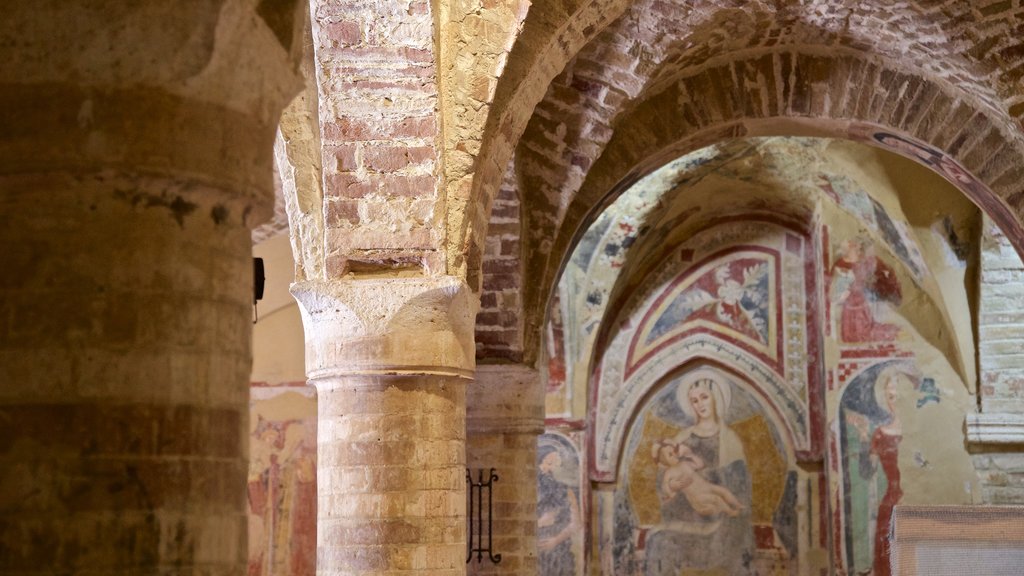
[(862, 284), (735, 294), (704, 487), (896, 240), (740, 293), (809, 349), (282, 481), (871, 433), (849, 196), (559, 510)]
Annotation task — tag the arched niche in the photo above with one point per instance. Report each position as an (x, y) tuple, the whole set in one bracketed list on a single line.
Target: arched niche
[(708, 482)]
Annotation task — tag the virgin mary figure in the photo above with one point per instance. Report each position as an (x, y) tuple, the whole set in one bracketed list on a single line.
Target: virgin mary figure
[(702, 539)]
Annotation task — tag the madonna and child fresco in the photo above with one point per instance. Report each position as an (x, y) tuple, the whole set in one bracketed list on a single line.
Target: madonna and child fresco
[(706, 483)]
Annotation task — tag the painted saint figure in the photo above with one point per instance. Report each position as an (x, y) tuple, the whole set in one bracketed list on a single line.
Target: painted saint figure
[(558, 516), (885, 443), (282, 499), (879, 433), (862, 279)]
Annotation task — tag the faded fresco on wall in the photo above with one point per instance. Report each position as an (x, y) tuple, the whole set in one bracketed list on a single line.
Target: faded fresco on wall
[(897, 440), (704, 486), (734, 296), (282, 481), (871, 433), (560, 517), (739, 293), (862, 284), (849, 196), (897, 407)]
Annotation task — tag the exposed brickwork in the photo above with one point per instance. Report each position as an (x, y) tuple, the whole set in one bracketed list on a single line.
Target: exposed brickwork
[(378, 95), (1000, 324), (918, 51), (1001, 475), (514, 513), (769, 88), (390, 358), (476, 42), (499, 324), (965, 45)]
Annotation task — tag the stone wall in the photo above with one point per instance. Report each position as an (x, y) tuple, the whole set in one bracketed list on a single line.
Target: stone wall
[(997, 431), (1000, 323), (376, 77)]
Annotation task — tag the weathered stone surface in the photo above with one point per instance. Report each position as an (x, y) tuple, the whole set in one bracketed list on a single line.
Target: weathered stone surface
[(391, 358), (135, 158), (387, 326), (125, 369)]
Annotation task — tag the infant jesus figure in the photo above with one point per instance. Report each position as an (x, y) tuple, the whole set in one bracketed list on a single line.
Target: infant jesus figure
[(681, 474)]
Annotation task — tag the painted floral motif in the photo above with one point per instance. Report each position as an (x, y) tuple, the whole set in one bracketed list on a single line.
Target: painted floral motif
[(733, 295)]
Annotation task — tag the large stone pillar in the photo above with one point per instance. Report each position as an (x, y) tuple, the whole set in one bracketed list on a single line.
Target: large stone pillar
[(504, 417), (390, 358), (135, 149)]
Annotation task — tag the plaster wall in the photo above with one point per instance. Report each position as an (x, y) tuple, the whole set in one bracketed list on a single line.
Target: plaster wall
[(278, 349)]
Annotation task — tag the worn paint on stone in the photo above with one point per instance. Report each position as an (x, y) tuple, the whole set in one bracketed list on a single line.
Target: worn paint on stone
[(707, 484), (282, 481), (560, 515)]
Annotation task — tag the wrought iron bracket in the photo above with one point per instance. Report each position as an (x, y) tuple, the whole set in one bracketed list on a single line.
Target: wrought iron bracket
[(475, 516)]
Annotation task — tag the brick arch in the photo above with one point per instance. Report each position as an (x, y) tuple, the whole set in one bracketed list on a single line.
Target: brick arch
[(552, 34), (804, 93), (954, 41)]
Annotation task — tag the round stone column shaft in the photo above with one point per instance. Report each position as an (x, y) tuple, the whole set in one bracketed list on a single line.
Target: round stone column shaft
[(504, 417), (135, 154), (125, 362), (391, 359)]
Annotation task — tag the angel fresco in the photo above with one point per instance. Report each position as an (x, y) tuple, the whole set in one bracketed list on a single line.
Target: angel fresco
[(691, 481), (734, 295)]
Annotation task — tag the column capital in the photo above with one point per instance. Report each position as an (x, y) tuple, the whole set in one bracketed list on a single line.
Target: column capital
[(387, 326), (158, 89)]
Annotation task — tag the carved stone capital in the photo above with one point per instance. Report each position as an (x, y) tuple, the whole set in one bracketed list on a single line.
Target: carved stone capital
[(387, 326), (156, 89)]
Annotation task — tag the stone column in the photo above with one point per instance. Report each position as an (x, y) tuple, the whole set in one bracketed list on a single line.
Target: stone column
[(390, 358), (504, 417), (130, 173)]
